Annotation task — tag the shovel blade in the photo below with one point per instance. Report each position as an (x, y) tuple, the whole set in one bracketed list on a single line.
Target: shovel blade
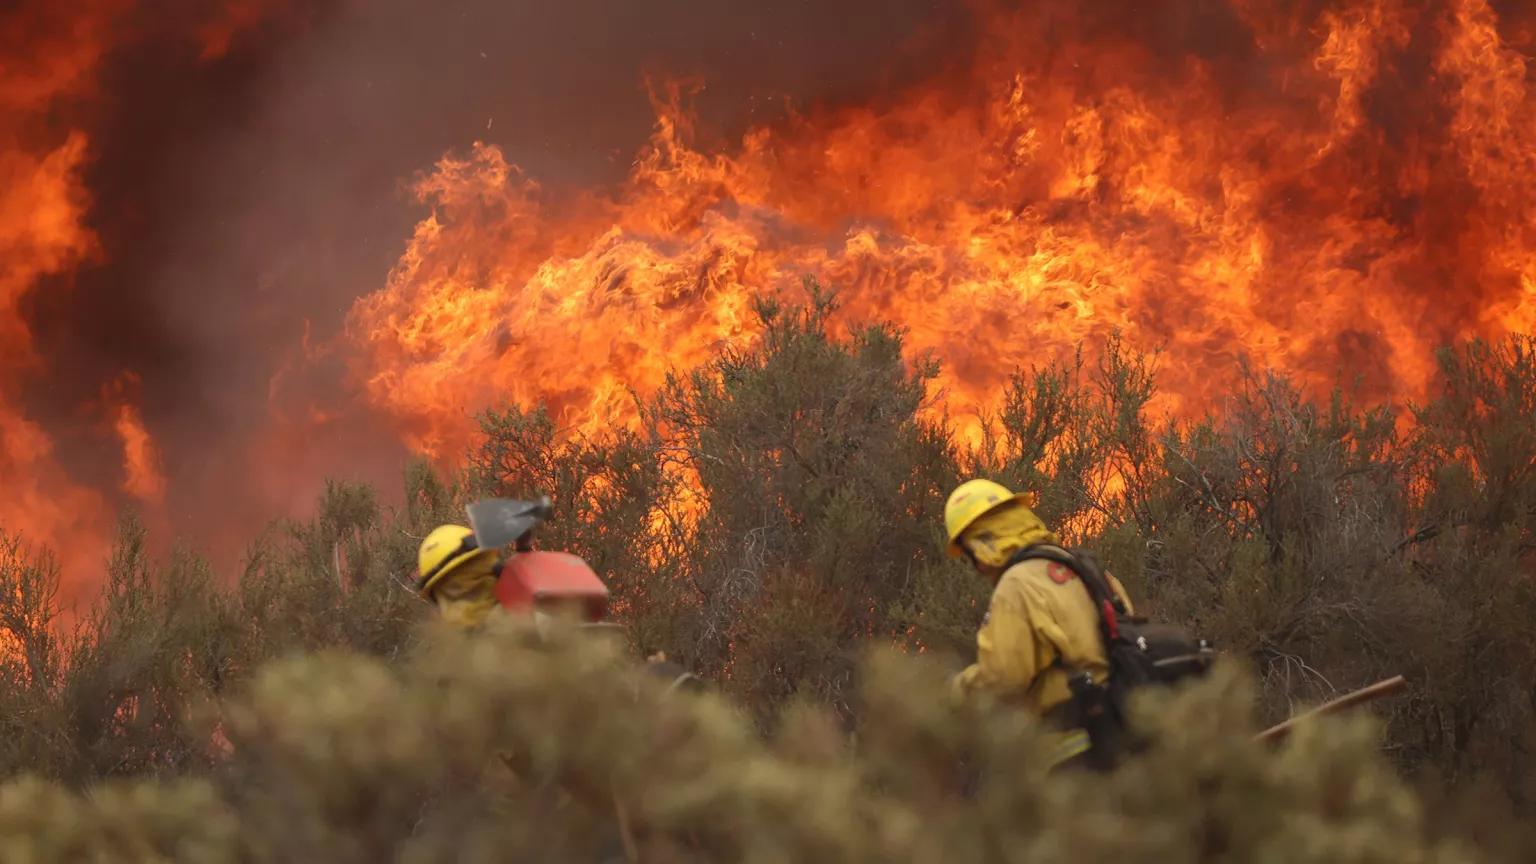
[(498, 522)]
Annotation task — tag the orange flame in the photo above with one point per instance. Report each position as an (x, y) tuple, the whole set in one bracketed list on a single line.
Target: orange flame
[(54, 54), (142, 477), (1316, 218), (1331, 193), (232, 18), (42, 233)]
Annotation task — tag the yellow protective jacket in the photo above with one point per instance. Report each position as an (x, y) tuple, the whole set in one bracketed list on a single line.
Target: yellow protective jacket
[(466, 596), (1040, 612)]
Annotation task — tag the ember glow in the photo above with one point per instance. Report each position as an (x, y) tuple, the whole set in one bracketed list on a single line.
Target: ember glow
[(1335, 198)]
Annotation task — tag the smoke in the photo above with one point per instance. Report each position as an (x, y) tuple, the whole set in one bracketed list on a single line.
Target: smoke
[(194, 195), (201, 189)]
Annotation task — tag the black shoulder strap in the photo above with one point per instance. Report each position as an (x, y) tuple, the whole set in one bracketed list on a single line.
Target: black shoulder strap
[(1105, 600)]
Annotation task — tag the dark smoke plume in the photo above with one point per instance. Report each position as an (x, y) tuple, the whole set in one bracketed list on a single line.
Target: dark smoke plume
[(245, 169)]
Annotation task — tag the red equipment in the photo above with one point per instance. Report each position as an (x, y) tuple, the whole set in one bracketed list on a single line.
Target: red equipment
[(535, 581), (532, 579)]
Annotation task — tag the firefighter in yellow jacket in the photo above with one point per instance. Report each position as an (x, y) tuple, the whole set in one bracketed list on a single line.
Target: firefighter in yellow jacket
[(457, 576), (1041, 621)]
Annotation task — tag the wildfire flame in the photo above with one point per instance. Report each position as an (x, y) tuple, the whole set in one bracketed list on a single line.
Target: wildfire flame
[(42, 233), (230, 19), (1338, 215), (53, 57), (142, 477), (1332, 189)]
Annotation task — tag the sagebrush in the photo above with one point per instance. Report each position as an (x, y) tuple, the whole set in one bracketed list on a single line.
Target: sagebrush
[(776, 516)]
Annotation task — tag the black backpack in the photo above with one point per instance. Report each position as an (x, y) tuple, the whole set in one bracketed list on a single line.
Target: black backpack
[(1140, 653)]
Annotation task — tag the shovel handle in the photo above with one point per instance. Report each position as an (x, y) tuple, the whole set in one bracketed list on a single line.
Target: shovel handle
[(1348, 700)]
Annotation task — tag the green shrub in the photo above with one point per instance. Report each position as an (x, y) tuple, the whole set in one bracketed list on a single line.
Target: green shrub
[(777, 516), (505, 746)]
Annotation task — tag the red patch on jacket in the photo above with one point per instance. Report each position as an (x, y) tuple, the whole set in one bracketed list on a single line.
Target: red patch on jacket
[(1060, 574)]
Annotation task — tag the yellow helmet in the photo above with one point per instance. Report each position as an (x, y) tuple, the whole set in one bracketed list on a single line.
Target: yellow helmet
[(972, 500), (445, 548)]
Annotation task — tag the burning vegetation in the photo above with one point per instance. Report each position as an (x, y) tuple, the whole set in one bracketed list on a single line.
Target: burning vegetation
[(1333, 193), (1322, 547), (1238, 288)]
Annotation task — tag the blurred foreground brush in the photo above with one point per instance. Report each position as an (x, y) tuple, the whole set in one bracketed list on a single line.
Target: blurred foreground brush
[(1348, 700)]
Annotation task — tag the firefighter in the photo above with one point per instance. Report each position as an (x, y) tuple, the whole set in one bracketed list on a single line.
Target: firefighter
[(1041, 624), (460, 579), (457, 576)]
